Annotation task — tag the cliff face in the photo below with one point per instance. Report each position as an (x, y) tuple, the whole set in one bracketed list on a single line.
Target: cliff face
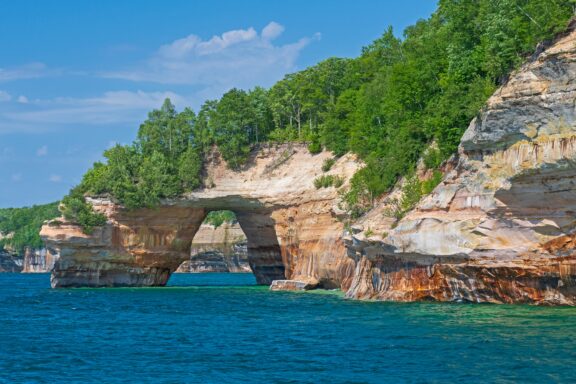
[(218, 249), (291, 227), (10, 262), (39, 260), (501, 226)]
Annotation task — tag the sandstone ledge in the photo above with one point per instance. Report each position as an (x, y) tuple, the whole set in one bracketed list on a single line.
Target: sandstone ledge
[(292, 285)]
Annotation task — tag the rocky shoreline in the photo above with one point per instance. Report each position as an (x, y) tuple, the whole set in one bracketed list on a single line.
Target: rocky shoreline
[(499, 228)]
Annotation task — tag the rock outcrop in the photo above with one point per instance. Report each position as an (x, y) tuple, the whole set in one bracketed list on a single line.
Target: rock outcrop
[(39, 260), (501, 226), (10, 262), (218, 249), (292, 228)]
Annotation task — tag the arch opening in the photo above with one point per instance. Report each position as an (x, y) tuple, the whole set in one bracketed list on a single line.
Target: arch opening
[(219, 246), (237, 241)]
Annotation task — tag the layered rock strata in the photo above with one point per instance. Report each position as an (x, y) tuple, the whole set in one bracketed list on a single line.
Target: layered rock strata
[(501, 226), (291, 227), (39, 260), (218, 249)]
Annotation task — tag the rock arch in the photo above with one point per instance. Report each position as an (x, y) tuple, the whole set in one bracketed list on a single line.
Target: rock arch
[(293, 229)]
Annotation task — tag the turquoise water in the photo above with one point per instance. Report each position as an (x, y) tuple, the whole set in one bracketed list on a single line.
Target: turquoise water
[(220, 328)]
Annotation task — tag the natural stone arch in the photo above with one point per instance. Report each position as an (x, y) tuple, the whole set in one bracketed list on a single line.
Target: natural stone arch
[(292, 228)]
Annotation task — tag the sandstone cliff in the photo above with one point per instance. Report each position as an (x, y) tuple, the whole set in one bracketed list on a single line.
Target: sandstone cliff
[(501, 226), (218, 249), (39, 260), (292, 228)]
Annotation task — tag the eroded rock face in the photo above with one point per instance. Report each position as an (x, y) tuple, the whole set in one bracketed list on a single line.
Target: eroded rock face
[(501, 226), (39, 260), (218, 249), (136, 248), (292, 228)]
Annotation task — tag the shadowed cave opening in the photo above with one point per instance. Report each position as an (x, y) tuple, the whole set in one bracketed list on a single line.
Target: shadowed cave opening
[(219, 246), (236, 242)]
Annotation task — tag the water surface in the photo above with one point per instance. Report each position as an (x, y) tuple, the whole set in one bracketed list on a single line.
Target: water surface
[(221, 328)]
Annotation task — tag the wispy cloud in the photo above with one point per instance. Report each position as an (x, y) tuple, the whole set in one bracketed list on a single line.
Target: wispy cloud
[(240, 58), (16, 177), (27, 71), (128, 107), (237, 58)]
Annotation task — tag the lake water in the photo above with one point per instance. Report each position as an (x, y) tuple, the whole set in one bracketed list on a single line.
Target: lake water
[(221, 328)]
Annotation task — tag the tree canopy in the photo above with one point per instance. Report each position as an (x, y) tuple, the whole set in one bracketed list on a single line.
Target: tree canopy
[(20, 227), (387, 105)]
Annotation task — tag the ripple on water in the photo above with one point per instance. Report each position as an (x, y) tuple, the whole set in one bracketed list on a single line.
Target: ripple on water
[(218, 328)]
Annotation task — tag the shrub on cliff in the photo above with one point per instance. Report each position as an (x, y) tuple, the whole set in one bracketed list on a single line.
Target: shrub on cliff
[(217, 218), (326, 181), (327, 164), (75, 209)]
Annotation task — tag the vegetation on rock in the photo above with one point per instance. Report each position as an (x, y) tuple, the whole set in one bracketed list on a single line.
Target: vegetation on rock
[(217, 218), (326, 181), (387, 106), (328, 163)]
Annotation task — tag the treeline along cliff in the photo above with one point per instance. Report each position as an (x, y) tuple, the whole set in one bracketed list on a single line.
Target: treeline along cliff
[(381, 132)]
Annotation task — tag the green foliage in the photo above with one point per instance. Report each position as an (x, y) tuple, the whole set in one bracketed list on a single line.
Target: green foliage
[(324, 181), (233, 121), (21, 226), (327, 164), (338, 181), (428, 185), (75, 209), (413, 190), (432, 158), (217, 218), (314, 147), (165, 161), (189, 169), (387, 105), (327, 181)]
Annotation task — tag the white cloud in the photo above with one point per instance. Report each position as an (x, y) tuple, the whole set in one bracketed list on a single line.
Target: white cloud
[(272, 31), (16, 177), (125, 107), (42, 151), (5, 96), (55, 178), (239, 58), (28, 71)]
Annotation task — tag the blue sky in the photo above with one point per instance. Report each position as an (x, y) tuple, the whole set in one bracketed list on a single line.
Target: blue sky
[(78, 76)]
